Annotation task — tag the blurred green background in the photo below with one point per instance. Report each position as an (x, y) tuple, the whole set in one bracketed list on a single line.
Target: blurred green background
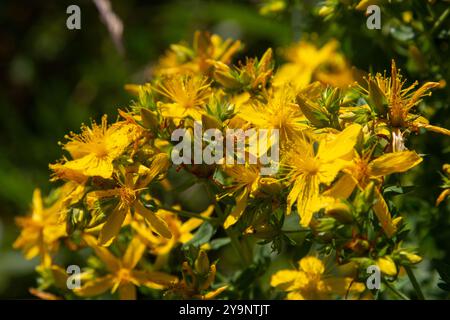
[(52, 79)]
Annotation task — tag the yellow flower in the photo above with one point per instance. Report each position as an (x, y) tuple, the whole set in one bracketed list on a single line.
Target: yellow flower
[(310, 282), (94, 150), (128, 199), (307, 63), (400, 102), (181, 233), (309, 169), (361, 171), (123, 275), (280, 112), (206, 49), (187, 96), (246, 181), (41, 230)]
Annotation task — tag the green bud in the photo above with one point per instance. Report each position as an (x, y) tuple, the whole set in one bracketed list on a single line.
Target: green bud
[(149, 119), (341, 212), (377, 100), (77, 218), (202, 263)]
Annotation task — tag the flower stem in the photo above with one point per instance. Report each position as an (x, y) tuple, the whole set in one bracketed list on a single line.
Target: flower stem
[(414, 282), (440, 20), (394, 290), (188, 214), (245, 259)]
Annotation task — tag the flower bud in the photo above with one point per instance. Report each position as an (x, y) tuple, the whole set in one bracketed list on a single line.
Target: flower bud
[(202, 263), (411, 257), (387, 265), (149, 120), (340, 211)]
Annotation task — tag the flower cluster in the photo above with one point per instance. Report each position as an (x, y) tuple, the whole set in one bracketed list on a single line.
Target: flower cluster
[(343, 143)]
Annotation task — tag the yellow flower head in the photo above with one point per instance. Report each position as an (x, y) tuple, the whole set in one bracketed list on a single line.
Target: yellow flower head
[(127, 195), (123, 275), (310, 282), (307, 63), (41, 230), (181, 231), (187, 96), (280, 112), (400, 100), (361, 171), (309, 169), (94, 150), (206, 49)]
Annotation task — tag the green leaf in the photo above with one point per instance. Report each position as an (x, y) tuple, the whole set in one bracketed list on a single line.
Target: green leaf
[(203, 235), (398, 189), (219, 242)]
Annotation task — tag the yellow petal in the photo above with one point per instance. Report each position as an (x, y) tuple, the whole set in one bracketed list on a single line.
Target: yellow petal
[(44, 295), (436, 129), (384, 216), (193, 223), (111, 262), (394, 162), (133, 254), (308, 200), (328, 171), (159, 165), (312, 265), (343, 187), (442, 196), (95, 287), (156, 222), (145, 233), (295, 295), (38, 207), (150, 278), (387, 266), (343, 286), (112, 226), (90, 165), (293, 195), (284, 279), (213, 294), (341, 145), (241, 204)]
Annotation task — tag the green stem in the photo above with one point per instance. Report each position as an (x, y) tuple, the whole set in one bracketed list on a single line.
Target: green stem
[(414, 282), (238, 247), (394, 290), (188, 214), (295, 231), (440, 20)]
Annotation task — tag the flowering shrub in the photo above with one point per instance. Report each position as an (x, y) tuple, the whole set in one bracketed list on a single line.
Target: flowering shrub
[(343, 144)]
